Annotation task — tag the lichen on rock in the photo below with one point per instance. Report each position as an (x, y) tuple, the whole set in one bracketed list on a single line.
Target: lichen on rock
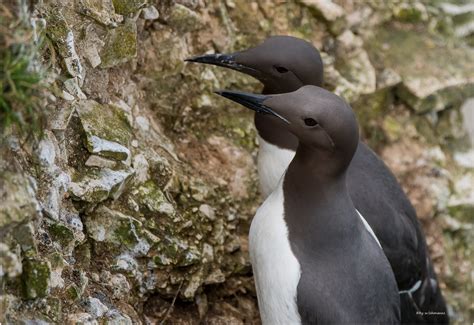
[(63, 37), (10, 264), (18, 199)]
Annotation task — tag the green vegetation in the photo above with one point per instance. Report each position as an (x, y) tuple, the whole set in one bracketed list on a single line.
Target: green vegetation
[(36, 274), (20, 81)]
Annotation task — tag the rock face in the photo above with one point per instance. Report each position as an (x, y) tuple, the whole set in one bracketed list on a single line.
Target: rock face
[(134, 207), (120, 45), (435, 74), (107, 129), (18, 200)]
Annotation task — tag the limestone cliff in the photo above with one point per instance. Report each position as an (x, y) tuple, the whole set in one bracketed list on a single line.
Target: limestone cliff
[(127, 187)]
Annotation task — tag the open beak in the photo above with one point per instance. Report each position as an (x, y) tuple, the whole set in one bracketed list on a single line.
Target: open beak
[(223, 60), (253, 101)]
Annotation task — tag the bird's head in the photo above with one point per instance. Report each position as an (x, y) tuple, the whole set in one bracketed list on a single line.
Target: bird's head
[(324, 124), (282, 63)]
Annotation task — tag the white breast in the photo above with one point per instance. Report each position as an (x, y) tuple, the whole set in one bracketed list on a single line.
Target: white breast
[(275, 267), (272, 164)]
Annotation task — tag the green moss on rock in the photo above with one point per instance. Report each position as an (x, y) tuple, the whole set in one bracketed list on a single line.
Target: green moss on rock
[(126, 7), (120, 45), (35, 278), (174, 251), (410, 12), (150, 197), (370, 110), (126, 232), (190, 257), (73, 292), (115, 228), (57, 29), (62, 234), (394, 130), (54, 310), (108, 131), (62, 36), (463, 212), (240, 127)]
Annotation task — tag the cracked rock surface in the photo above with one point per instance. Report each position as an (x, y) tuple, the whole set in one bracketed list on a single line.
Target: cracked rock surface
[(134, 207)]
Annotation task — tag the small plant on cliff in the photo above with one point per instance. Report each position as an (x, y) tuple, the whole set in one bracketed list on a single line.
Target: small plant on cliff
[(20, 80)]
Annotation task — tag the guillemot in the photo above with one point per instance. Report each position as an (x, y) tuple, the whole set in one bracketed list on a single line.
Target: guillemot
[(314, 259), (276, 146), (284, 64)]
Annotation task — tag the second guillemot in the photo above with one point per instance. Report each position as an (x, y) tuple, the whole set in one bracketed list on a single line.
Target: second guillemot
[(314, 259), (284, 64)]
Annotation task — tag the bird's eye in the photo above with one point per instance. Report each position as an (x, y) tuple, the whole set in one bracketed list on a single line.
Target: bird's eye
[(281, 69), (310, 122)]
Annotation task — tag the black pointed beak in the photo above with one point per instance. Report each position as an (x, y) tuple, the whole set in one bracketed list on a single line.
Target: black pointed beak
[(223, 60), (253, 101)]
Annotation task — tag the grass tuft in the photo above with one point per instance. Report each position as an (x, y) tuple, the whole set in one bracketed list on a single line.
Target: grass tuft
[(21, 85)]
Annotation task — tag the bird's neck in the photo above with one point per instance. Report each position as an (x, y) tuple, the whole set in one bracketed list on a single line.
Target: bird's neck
[(308, 171), (323, 193)]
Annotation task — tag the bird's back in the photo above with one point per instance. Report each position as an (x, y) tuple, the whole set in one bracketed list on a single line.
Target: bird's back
[(377, 194)]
